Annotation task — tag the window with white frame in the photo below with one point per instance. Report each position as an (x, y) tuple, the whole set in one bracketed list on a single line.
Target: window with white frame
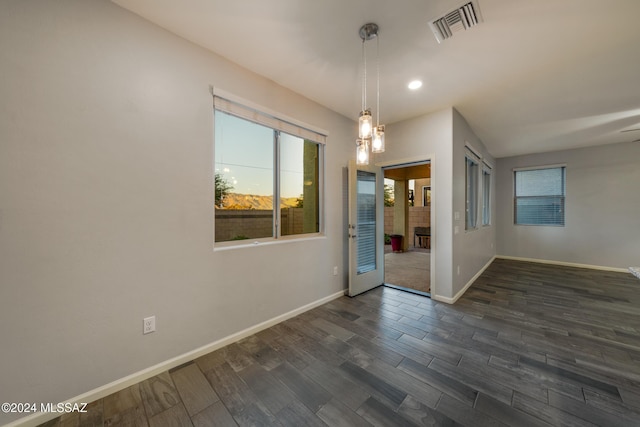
[(486, 194), (472, 162), (268, 175), (539, 196)]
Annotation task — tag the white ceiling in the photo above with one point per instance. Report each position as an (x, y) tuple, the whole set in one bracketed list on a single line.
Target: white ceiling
[(535, 76)]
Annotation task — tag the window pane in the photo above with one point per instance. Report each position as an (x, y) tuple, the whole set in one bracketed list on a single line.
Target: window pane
[(540, 182), (244, 162), (539, 196), (486, 196), (299, 189), (471, 177), (366, 231), (540, 210)]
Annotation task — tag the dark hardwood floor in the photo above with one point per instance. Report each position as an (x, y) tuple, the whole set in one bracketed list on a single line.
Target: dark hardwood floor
[(527, 345)]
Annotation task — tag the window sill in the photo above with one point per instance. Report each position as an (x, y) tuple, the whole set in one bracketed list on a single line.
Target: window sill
[(252, 243), (540, 225)]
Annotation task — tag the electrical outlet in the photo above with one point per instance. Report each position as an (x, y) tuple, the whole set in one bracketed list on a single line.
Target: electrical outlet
[(335, 270), (148, 325)]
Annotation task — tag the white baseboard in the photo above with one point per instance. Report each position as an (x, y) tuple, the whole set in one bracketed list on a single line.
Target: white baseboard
[(457, 296), (115, 386), (540, 261), (566, 264)]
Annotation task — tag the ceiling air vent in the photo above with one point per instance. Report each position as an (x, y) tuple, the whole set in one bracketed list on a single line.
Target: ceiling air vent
[(460, 19)]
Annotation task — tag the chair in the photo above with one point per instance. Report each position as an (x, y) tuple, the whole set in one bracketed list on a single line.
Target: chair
[(422, 233)]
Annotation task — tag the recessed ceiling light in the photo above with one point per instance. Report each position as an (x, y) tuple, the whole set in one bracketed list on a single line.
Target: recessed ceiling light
[(415, 84)]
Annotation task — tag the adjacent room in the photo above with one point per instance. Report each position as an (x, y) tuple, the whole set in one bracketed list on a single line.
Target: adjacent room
[(281, 212), (407, 260)]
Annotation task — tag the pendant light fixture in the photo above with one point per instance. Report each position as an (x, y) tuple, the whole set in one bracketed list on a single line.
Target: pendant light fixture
[(377, 145), (370, 137), (362, 152)]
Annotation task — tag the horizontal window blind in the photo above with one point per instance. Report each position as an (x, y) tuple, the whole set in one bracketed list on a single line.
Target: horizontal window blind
[(540, 196), (471, 190), (366, 199), (486, 168), (268, 120), (486, 194), (268, 180)]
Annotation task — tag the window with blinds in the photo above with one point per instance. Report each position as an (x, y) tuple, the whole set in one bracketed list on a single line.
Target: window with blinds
[(471, 190), (268, 175), (539, 196), (486, 194)]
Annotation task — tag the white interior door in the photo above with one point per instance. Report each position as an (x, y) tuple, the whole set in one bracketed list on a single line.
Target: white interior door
[(366, 228)]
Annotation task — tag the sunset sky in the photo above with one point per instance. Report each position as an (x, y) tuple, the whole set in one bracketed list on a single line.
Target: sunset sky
[(244, 156)]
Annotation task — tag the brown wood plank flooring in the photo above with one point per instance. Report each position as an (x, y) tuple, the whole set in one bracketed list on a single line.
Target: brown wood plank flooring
[(527, 345)]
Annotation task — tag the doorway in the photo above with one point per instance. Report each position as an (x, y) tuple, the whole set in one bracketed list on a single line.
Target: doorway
[(407, 227)]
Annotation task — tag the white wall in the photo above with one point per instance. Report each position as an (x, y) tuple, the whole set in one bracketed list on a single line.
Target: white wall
[(472, 249), (106, 196), (602, 225), (422, 138)]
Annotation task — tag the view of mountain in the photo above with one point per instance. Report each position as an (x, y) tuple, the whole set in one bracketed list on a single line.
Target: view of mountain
[(250, 201)]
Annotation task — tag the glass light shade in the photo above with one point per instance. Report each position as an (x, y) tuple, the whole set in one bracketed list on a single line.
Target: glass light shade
[(362, 152), (365, 124), (377, 145)]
